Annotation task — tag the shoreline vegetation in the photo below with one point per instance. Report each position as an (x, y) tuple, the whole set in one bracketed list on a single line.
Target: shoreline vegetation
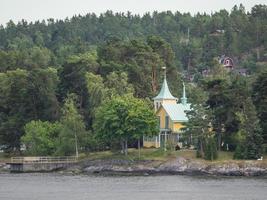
[(159, 162), (92, 82)]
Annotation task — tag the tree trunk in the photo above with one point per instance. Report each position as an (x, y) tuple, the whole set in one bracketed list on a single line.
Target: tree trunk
[(219, 138), (139, 149), (126, 148), (76, 145), (202, 144), (201, 148), (122, 147)]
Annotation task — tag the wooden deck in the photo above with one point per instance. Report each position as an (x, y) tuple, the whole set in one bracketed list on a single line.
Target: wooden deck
[(29, 160), (33, 164)]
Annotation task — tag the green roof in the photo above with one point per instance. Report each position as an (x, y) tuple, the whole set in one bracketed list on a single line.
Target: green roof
[(177, 112), (164, 92)]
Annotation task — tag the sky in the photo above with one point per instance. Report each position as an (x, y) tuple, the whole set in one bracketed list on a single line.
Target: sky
[(32, 10)]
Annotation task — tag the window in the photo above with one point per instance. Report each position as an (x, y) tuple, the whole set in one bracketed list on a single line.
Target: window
[(167, 122)]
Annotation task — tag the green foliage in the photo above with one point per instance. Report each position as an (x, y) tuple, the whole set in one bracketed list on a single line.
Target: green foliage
[(60, 138), (199, 122), (72, 133), (240, 152), (25, 96), (102, 57), (40, 138), (250, 139), (117, 84), (210, 149), (259, 94), (96, 94), (123, 118)]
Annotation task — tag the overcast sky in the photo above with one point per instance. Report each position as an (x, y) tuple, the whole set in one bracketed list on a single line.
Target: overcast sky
[(33, 10)]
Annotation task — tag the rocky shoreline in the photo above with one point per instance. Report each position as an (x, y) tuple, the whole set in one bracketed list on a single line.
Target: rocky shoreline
[(178, 165)]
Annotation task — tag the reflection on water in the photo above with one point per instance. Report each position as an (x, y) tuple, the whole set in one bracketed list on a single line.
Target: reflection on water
[(62, 187)]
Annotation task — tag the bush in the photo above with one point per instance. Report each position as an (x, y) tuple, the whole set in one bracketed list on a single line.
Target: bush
[(210, 150), (40, 138), (240, 152)]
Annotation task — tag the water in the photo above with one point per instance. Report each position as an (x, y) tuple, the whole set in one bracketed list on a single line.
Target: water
[(81, 187)]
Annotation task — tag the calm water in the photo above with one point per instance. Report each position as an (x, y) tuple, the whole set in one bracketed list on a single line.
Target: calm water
[(62, 187)]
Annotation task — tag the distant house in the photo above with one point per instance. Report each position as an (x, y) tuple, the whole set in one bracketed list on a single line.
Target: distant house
[(217, 32), (227, 62), (171, 116)]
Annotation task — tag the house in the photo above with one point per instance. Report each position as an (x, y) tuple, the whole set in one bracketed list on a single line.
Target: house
[(227, 62), (171, 116)]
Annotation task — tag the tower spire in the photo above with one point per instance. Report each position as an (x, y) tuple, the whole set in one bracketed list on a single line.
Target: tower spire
[(164, 93), (184, 99)]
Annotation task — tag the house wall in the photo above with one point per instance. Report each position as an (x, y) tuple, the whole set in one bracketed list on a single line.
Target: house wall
[(174, 126), (169, 101), (148, 144), (161, 114), (177, 126)]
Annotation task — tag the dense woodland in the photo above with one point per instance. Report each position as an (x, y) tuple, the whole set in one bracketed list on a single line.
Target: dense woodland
[(58, 76)]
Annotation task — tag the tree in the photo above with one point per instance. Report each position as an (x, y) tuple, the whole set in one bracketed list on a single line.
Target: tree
[(123, 118), (210, 149), (72, 135), (142, 121), (25, 96), (259, 96), (117, 84), (199, 126), (14, 108), (250, 133), (73, 78), (218, 101), (96, 94), (42, 90), (40, 138)]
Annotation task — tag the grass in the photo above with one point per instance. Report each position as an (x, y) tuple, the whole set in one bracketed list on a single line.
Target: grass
[(161, 155), (133, 154), (152, 154), (4, 158)]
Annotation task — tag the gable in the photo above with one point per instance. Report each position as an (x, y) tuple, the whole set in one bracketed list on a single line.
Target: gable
[(176, 112)]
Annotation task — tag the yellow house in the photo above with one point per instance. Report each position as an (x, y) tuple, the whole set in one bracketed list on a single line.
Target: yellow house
[(171, 115)]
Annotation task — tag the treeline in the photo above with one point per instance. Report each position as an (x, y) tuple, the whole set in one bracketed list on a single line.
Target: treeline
[(195, 40), (116, 69), (56, 73)]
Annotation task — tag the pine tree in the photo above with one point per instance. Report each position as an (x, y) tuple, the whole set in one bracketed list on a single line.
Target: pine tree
[(250, 131)]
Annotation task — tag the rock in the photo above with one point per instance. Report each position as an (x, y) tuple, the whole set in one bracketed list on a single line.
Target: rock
[(229, 169)]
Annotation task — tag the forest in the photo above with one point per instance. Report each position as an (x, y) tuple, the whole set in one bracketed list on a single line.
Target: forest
[(87, 82)]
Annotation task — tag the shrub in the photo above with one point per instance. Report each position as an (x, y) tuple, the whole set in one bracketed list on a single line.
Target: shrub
[(240, 152), (210, 151)]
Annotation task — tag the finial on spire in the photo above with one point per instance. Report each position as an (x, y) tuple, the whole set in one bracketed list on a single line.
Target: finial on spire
[(165, 72), (164, 91), (184, 99)]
